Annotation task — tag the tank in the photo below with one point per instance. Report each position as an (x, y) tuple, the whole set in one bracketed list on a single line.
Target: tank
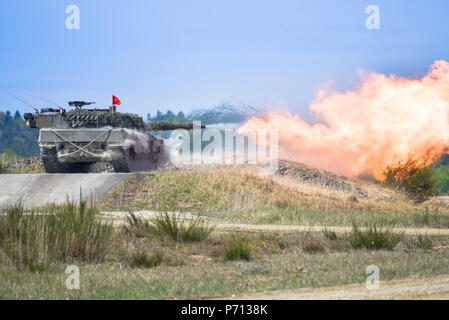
[(72, 141)]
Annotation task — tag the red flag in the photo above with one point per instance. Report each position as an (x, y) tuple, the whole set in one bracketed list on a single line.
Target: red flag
[(61, 110), (115, 101)]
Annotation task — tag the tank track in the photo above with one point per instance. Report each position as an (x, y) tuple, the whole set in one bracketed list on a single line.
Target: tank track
[(52, 165)]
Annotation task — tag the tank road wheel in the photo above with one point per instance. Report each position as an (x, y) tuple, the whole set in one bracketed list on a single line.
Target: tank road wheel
[(52, 165)]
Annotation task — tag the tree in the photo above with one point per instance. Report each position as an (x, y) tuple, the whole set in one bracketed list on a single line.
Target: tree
[(18, 138), (159, 116)]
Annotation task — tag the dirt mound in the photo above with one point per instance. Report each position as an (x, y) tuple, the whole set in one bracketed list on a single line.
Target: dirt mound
[(322, 178)]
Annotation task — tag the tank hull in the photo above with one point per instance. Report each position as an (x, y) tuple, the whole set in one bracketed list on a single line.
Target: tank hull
[(74, 150)]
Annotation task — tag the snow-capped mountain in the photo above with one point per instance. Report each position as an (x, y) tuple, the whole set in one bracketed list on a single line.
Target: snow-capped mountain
[(223, 114)]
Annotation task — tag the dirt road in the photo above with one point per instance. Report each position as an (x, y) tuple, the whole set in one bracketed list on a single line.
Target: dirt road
[(286, 228), (118, 216), (409, 288)]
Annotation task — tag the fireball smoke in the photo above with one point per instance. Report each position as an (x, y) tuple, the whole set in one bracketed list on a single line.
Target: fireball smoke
[(138, 140), (386, 120), (140, 143)]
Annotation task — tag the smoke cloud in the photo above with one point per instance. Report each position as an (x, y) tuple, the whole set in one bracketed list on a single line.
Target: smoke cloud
[(365, 130)]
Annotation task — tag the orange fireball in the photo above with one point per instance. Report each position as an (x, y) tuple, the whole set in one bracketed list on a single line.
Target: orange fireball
[(363, 131)]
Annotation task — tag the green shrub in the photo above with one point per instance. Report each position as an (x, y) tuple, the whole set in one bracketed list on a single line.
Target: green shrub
[(7, 156), (136, 226), (374, 238), (433, 219), (330, 235), (417, 180), (142, 259), (195, 230), (78, 233), (176, 229), (25, 240), (421, 241), (312, 246), (238, 249), (63, 233), (442, 179)]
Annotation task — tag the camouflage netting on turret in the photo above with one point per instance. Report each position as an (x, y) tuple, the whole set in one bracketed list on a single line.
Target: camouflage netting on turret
[(161, 125), (100, 118)]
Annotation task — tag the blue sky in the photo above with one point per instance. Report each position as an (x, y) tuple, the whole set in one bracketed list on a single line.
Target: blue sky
[(181, 55)]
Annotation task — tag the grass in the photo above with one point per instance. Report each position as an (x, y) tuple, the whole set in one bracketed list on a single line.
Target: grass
[(223, 263), (424, 242), (374, 237), (240, 195), (6, 157), (201, 270), (65, 233), (10, 156), (136, 226), (330, 235), (144, 259), (238, 249), (173, 227)]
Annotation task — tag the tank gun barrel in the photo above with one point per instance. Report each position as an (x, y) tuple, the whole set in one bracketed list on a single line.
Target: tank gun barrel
[(160, 125)]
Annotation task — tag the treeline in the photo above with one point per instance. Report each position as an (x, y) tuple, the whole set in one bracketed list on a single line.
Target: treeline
[(16, 137), (169, 116), (223, 113)]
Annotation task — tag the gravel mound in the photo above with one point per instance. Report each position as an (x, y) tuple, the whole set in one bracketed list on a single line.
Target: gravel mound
[(22, 164), (319, 177), (36, 162)]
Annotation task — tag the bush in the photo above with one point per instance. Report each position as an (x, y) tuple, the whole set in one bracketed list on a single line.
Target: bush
[(34, 240), (416, 179), (330, 235), (238, 249), (312, 246), (173, 227), (7, 156), (421, 241), (143, 259), (374, 238), (25, 240), (78, 233), (442, 179), (136, 226)]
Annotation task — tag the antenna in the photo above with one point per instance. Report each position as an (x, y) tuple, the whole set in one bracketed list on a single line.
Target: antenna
[(21, 100), (44, 99)]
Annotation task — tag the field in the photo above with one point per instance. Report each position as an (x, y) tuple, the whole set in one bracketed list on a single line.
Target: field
[(181, 247)]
